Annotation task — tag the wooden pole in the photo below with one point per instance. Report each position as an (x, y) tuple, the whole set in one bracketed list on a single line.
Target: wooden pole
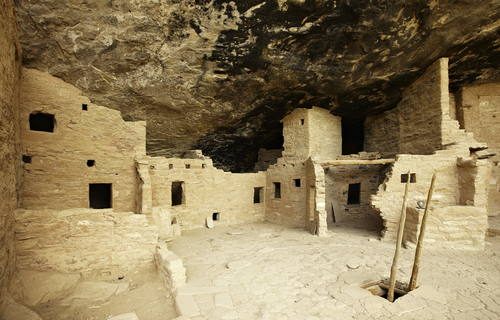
[(418, 251), (401, 227)]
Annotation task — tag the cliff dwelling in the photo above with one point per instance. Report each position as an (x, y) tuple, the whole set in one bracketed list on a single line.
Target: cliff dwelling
[(283, 159)]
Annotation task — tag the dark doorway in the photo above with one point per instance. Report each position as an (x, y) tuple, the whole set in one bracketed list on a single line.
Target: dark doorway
[(257, 194), (100, 195), (42, 122), (354, 193), (353, 135), (177, 193), (277, 190)]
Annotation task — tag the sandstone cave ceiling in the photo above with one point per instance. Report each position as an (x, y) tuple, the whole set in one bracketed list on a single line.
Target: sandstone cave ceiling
[(220, 75)]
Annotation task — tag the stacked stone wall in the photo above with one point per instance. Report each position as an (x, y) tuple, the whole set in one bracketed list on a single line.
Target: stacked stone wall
[(206, 190), (58, 175)]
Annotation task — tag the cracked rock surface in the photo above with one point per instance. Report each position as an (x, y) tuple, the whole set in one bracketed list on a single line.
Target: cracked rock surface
[(219, 75)]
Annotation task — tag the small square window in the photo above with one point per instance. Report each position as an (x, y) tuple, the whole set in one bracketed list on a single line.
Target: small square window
[(413, 178), (302, 121), (90, 163), (297, 183), (170, 166), (26, 158), (203, 166), (188, 166), (84, 107), (215, 216)]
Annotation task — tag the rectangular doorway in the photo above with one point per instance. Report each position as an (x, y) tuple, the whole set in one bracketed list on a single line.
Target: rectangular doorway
[(100, 195), (177, 193)]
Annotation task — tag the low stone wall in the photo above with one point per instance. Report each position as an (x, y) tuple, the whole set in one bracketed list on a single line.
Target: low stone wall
[(100, 243), (457, 227), (170, 268)]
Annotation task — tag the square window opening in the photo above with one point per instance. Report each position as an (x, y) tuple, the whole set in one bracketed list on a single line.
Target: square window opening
[(203, 166), (302, 121), (188, 166), (277, 190), (90, 163), (40, 121), (170, 166), (85, 107), (177, 193), (297, 183), (258, 194), (215, 216), (354, 193), (413, 177), (26, 158), (100, 195)]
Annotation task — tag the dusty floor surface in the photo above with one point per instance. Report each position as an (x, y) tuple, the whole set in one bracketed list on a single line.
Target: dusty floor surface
[(263, 271), (140, 291)]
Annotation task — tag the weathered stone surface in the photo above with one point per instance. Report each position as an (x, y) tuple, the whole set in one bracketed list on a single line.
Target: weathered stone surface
[(35, 287), (124, 316), (10, 158), (221, 74), (92, 242), (11, 310)]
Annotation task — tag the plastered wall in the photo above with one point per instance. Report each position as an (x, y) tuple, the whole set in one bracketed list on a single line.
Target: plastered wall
[(58, 176), (206, 190), (10, 62), (479, 112)]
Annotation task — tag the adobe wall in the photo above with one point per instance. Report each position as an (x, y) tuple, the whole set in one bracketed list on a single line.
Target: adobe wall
[(10, 63), (206, 190), (289, 210), (479, 112), (338, 179), (58, 176)]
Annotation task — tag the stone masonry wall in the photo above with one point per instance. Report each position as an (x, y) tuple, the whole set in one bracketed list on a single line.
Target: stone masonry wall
[(325, 134), (10, 64), (382, 133), (338, 179), (415, 126), (95, 243), (479, 113), (311, 133), (58, 176), (207, 190), (296, 135), (290, 209), (447, 191)]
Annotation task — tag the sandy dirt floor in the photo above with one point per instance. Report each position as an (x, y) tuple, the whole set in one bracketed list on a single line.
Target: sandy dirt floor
[(263, 271)]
